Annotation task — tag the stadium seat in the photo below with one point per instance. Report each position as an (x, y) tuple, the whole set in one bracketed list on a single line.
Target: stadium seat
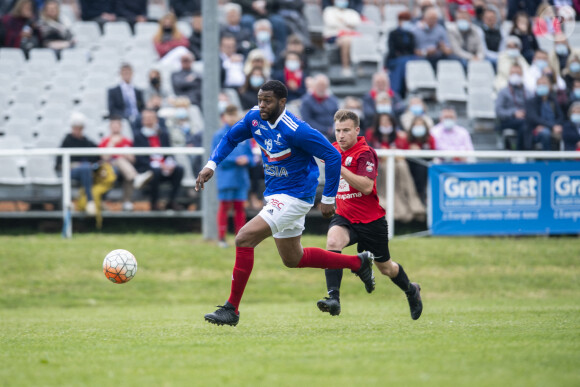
[(391, 12), (480, 105), (28, 96), (196, 119), (370, 29), (15, 56), (155, 11), (21, 128), (40, 171), (146, 30), (547, 43), (450, 69), (119, 30), (11, 142), (451, 90), (372, 13), (42, 55), (420, 76), (313, 14), (233, 97), (364, 49), (10, 174), (74, 56), (52, 130), (24, 110), (480, 68)]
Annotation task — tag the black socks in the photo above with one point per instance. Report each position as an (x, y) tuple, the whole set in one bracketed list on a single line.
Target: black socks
[(402, 281), (333, 280)]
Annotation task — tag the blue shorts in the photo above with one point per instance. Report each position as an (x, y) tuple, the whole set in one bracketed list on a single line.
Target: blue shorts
[(231, 194)]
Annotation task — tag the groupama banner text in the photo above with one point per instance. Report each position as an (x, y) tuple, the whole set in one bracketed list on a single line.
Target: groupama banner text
[(505, 199)]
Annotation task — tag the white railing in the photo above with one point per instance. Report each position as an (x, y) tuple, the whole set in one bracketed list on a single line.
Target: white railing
[(389, 154)]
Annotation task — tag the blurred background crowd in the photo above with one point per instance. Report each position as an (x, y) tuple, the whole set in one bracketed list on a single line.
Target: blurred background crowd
[(424, 74)]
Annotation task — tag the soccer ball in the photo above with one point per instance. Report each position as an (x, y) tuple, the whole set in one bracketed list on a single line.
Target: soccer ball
[(120, 266)]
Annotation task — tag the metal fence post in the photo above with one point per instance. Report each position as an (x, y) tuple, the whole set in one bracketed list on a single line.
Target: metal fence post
[(66, 197), (391, 195)]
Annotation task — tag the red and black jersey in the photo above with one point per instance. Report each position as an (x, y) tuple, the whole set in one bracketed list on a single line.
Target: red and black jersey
[(361, 160)]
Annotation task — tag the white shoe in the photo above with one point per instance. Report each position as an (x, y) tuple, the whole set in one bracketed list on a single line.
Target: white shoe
[(143, 178), (127, 206), (223, 244), (91, 208)]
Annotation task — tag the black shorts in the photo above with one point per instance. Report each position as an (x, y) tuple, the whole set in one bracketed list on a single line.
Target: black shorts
[(373, 236)]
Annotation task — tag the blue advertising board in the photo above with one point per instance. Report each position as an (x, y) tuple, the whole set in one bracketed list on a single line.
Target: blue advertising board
[(504, 198)]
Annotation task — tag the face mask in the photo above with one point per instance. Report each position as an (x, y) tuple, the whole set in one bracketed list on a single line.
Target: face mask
[(561, 49), (407, 25), (417, 110), (263, 36), (185, 129), (155, 81), (463, 25), (148, 132), (577, 93), (575, 118), (181, 114), (418, 131), (385, 129), (222, 105), (513, 52), (167, 30), (384, 109), (256, 81), (515, 80), (448, 123), (575, 67), (541, 64), (542, 90), (292, 65), (341, 3)]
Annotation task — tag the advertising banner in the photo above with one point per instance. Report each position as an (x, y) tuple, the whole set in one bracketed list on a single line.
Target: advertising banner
[(505, 198)]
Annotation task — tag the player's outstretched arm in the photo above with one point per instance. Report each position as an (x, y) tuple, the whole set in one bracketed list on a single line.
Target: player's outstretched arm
[(205, 174)]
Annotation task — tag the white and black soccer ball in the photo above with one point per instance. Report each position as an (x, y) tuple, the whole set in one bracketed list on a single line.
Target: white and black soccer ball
[(120, 266)]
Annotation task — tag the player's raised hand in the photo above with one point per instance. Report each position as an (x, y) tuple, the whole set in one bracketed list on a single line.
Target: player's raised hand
[(205, 174), (327, 210)]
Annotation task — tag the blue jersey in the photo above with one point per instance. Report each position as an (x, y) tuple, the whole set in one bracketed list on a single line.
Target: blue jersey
[(288, 147)]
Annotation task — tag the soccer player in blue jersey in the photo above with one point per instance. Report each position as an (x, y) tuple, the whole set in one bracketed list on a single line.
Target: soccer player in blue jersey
[(291, 175)]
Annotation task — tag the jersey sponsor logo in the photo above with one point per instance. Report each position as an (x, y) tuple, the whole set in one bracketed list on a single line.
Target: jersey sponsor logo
[(348, 161), (270, 211), (274, 170), (258, 132), (370, 166), (255, 123), (343, 186), (262, 126), (275, 156), (349, 196)]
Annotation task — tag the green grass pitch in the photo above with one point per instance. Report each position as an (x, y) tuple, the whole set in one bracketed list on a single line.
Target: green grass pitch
[(497, 312)]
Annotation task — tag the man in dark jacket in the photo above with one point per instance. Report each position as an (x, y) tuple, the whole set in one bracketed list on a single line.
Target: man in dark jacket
[(133, 11), (544, 117), (100, 11), (510, 106), (186, 82), (571, 131), (184, 8), (164, 168), (126, 100), (82, 167)]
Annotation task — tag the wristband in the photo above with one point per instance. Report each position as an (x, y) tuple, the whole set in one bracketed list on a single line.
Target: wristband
[(327, 199), (211, 165)]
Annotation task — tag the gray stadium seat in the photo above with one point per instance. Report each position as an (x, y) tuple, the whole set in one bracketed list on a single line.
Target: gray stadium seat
[(450, 69), (42, 55), (188, 180), (372, 13), (420, 76), (233, 97), (40, 171), (15, 56), (391, 12), (313, 14), (369, 29), (10, 173), (146, 30), (480, 68), (480, 105), (20, 128), (23, 110), (364, 49), (184, 27), (75, 56), (11, 142), (116, 31)]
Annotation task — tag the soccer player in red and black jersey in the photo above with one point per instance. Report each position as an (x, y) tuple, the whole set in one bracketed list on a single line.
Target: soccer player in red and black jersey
[(359, 217)]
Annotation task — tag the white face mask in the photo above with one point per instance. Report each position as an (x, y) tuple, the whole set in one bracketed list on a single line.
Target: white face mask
[(385, 129), (418, 130), (148, 132), (448, 123), (513, 52), (515, 80), (292, 65)]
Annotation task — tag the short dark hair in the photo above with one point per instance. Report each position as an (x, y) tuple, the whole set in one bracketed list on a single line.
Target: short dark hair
[(345, 114), (279, 89)]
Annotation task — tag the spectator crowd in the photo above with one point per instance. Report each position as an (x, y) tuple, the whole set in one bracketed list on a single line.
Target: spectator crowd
[(536, 88)]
